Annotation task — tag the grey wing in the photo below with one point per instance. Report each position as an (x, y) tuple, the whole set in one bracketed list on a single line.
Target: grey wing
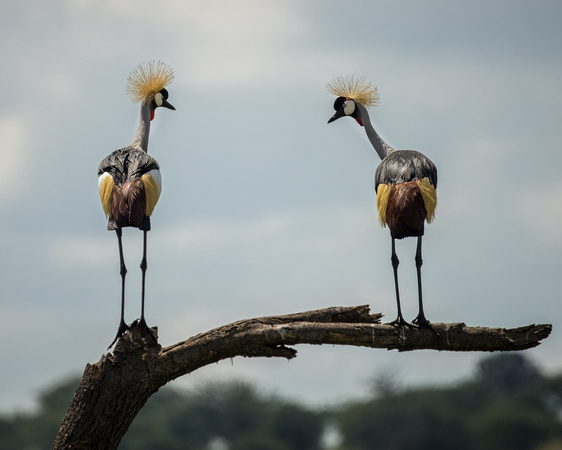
[(405, 165), (139, 163), (127, 164), (114, 164)]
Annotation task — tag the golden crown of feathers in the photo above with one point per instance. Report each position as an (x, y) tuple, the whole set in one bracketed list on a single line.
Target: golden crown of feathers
[(357, 89), (147, 79)]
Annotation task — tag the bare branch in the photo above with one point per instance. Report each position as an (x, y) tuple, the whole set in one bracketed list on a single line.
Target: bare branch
[(113, 390)]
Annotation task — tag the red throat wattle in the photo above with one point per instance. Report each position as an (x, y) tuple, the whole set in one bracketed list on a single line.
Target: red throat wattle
[(356, 118), (152, 115)]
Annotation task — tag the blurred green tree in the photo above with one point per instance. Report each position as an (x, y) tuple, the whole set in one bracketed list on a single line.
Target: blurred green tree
[(508, 404), (233, 413)]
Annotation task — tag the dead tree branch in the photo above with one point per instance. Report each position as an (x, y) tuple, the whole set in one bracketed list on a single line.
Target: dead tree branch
[(114, 390)]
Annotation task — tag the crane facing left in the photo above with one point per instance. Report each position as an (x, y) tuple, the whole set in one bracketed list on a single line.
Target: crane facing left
[(129, 178)]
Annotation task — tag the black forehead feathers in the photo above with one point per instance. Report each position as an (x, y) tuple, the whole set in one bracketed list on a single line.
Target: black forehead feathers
[(339, 102), (164, 93)]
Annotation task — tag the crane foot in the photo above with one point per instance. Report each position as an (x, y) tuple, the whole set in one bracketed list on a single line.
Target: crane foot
[(141, 323), (123, 327), (422, 322), (400, 322)]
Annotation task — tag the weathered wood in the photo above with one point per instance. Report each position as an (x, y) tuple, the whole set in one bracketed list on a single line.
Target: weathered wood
[(113, 391)]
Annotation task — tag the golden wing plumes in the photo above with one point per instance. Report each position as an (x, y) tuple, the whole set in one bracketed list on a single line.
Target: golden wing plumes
[(147, 79), (357, 89)]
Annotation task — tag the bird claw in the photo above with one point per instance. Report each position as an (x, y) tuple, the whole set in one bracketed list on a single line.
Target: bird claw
[(123, 327), (418, 322), (400, 322), (422, 322), (141, 323)]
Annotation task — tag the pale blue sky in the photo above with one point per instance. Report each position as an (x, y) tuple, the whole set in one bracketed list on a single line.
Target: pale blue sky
[(265, 208)]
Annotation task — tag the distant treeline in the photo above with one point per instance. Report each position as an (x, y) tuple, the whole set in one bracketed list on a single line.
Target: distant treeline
[(508, 404)]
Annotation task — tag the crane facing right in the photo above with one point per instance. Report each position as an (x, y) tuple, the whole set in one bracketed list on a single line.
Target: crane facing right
[(405, 181)]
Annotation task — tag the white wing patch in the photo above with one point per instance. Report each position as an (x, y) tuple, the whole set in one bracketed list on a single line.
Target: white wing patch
[(105, 187), (101, 179), (157, 177)]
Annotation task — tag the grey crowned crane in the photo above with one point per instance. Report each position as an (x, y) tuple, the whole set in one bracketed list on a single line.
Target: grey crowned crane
[(129, 178), (405, 181)]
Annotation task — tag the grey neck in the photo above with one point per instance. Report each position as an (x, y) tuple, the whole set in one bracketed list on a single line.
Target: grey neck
[(141, 138), (381, 147)]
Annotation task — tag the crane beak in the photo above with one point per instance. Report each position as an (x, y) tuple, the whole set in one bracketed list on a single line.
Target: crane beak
[(339, 113), (168, 105)]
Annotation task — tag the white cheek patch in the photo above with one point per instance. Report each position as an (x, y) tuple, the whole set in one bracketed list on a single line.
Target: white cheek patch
[(349, 107), (159, 99)]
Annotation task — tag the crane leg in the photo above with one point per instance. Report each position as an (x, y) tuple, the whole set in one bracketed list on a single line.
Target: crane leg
[(394, 258), (142, 322), (420, 320), (122, 325)]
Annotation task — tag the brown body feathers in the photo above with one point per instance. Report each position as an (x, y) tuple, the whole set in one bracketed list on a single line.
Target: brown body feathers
[(129, 204), (405, 210)]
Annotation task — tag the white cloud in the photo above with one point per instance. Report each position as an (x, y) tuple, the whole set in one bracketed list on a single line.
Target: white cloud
[(541, 210), (243, 43), (58, 84), (212, 44), (81, 252), (15, 157), (305, 232)]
